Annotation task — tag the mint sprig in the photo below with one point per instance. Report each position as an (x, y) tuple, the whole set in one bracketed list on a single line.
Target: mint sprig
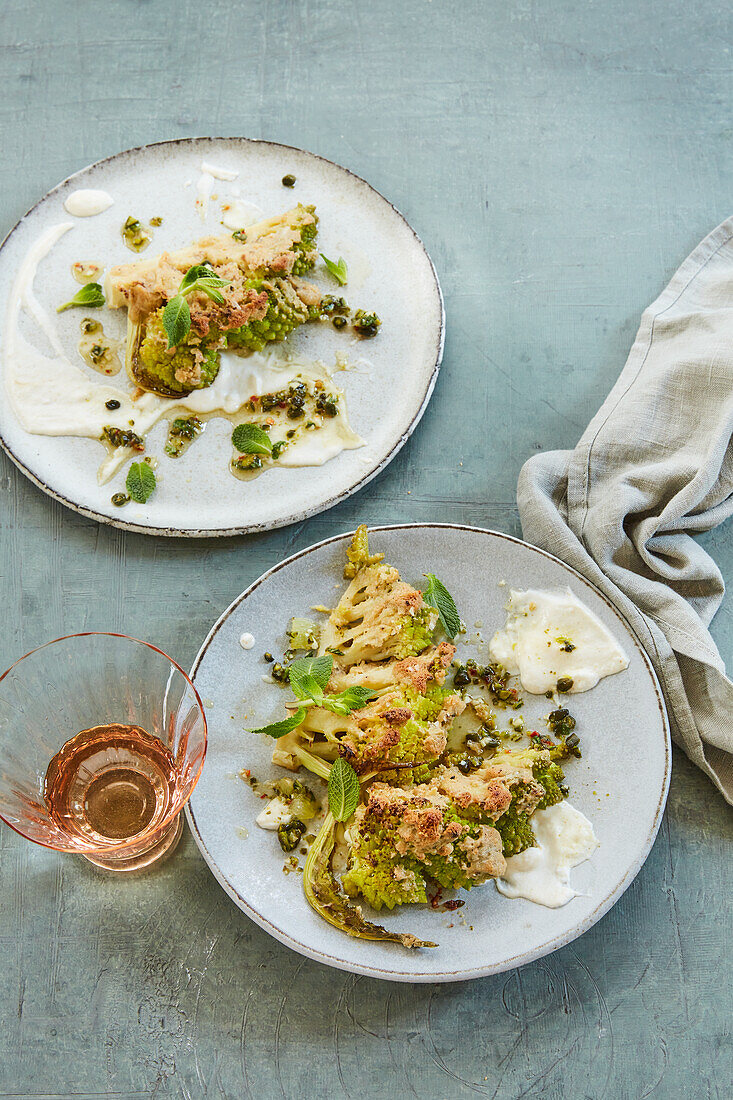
[(177, 315), (249, 439), (140, 482), (308, 679), (343, 789), (287, 725), (438, 596), (338, 270), (90, 295)]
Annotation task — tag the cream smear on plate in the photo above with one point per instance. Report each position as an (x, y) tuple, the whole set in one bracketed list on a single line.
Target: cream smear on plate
[(85, 204), (564, 838), (238, 214), (551, 636), (51, 396), (205, 186)]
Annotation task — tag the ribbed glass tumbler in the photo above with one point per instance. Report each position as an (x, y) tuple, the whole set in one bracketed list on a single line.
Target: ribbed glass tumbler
[(102, 741)]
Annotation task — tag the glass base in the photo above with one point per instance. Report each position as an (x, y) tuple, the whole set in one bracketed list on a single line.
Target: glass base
[(164, 846)]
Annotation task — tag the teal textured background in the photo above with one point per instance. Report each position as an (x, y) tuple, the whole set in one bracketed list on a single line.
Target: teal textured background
[(559, 160)]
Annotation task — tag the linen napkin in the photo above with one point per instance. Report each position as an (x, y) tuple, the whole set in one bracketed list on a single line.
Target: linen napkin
[(652, 469)]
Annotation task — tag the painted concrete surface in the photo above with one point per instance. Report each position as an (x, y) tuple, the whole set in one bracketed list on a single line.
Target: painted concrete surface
[(559, 160)]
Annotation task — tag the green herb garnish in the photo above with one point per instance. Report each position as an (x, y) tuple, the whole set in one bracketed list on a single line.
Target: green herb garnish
[(279, 729), (90, 295), (343, 790), (249, 439), (338, 270), (308, 678), (140, 482), (438, 596), (176, 315)]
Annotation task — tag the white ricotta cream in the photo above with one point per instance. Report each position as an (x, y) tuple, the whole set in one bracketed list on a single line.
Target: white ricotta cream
[(217, 172), (553, 635), (85, 204), (541, 874), (276, 813), (246, 640), (238, 214)]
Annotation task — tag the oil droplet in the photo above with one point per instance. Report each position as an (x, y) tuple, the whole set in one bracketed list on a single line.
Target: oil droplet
[(85, 272), (97, 351)]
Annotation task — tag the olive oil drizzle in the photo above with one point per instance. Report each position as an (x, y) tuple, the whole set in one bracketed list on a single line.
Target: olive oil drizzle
[(97, 350)]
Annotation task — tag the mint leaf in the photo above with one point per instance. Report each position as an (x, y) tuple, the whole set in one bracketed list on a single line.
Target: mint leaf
[(309, 676), (279, 729), (202, 277), (338, 270), (209, 287), (343, 789), (176, 320), (90, 295), (251, 440), (438, 596), (177, 315), (353, 698), (198, 271), (140, 482)]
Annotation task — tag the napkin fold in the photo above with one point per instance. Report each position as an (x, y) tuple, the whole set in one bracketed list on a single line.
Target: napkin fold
[(652, 469)]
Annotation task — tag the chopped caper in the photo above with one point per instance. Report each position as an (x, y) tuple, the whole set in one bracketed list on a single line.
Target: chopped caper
[(112, 404), (461, 678), (338, 322), (118, 499), (564, 684), (290, 833), (288, 180)]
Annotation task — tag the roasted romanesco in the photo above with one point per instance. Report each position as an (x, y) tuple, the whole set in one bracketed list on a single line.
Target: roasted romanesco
[(427, 813)]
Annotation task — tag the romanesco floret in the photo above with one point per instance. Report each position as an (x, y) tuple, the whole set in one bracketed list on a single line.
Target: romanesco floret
[(416, 634), (357, 554), (515, 830), (412, 734), (285, 311), (305, 247), (176, 371), (553, 780), (379, 875), (515, 824), (451, 871)]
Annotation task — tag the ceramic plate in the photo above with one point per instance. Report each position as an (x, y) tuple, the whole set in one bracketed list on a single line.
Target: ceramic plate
[(490, 933), (389, 272)]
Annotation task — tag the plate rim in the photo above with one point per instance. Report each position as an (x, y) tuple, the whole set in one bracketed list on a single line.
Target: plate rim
[(523, 958), (306, 513)]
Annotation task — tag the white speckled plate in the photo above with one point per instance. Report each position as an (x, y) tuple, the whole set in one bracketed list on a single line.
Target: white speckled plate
[(490, 933), (390, 272)]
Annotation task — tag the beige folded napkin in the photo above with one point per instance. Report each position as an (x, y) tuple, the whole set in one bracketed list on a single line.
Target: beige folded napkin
[(653, 468)]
